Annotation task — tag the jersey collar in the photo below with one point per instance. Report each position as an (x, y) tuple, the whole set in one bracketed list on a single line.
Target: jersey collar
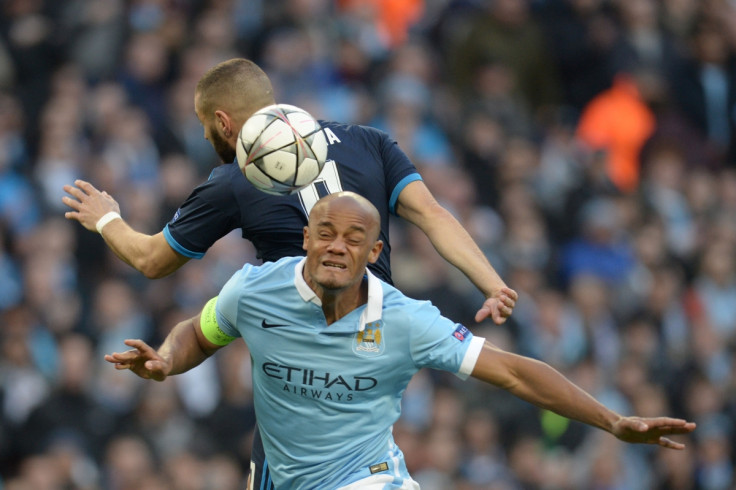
[(373, 308)]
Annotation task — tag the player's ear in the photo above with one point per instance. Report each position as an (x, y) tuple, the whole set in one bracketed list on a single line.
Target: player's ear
[(375, 252), (305, 243), (224, 123)]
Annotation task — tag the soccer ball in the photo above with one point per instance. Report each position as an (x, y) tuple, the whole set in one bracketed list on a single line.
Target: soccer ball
[(281, 148)]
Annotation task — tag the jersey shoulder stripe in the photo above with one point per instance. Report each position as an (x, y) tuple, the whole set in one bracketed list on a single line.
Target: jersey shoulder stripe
[(400, 187), (178, 248)]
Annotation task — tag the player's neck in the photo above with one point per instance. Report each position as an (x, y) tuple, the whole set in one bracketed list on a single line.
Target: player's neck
[(337, 304)]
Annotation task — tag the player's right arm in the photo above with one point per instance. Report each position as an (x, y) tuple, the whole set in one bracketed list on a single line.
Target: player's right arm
[(150, 254), (188, 344)]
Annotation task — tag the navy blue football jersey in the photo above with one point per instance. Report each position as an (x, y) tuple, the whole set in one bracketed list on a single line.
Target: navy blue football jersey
[(360, 159)]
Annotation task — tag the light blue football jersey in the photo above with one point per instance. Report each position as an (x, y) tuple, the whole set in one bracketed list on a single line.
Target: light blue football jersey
[(326, 396)]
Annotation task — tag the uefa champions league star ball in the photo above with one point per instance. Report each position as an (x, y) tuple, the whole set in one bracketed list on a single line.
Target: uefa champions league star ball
[(281, 148)]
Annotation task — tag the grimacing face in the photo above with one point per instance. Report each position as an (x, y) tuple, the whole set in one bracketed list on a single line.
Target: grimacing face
[(218, 142), (340, 241)]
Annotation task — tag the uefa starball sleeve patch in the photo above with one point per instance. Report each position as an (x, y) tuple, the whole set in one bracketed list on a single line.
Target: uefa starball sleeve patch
[(461, 332)]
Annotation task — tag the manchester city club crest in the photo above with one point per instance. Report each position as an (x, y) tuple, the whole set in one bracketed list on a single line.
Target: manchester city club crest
[(370, 341)]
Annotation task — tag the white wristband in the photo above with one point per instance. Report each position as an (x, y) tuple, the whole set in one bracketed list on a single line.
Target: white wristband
[(106, 219)]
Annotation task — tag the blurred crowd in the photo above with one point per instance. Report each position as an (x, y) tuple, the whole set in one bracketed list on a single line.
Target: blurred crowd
[(589, 146)]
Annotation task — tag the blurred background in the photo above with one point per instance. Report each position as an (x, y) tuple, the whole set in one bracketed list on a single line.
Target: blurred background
[(589, 146)]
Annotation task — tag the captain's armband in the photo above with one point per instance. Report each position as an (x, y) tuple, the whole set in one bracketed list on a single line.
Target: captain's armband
[(209, 326)]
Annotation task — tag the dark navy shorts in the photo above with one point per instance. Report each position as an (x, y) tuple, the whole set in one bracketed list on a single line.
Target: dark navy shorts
[(260, 476)]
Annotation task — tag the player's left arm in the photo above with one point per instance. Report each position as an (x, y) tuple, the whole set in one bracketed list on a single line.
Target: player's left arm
[(545, 387), (417, 205)]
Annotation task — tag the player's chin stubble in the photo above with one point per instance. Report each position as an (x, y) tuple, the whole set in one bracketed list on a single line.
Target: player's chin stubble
[(222, 148)]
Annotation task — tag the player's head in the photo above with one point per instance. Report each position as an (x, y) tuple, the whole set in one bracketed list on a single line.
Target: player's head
[(225, 97), (341, 239)]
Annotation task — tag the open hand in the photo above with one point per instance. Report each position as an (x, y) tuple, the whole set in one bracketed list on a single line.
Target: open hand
[(652, 430), (499, 306), (89, 204), (143, 360)]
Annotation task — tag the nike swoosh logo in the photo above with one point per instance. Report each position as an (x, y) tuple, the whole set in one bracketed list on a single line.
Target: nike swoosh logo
[(265, 324)]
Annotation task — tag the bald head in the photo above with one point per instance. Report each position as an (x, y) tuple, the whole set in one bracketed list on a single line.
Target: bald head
[(237, 86), (341, 240), (352, 202)]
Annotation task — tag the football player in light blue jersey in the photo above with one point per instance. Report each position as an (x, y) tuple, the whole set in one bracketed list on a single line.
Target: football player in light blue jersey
[(334, 349)]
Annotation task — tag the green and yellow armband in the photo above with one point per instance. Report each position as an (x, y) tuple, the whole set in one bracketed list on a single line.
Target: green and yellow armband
[(209, 326)]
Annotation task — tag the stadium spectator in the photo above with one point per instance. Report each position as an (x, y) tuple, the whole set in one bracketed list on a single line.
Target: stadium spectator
[(505, 32), (617, 122), (705, 87)]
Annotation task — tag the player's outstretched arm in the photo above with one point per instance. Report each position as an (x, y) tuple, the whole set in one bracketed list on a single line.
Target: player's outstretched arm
[(184, 348), (544, 386), (417, 205), (150, 254)]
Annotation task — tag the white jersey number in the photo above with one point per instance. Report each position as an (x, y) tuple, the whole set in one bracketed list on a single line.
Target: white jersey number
[(327, 182)]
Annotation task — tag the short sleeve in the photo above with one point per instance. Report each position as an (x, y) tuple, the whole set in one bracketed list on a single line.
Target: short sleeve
[(209, 213), (398, 169), (228, 302), (439, 343)]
